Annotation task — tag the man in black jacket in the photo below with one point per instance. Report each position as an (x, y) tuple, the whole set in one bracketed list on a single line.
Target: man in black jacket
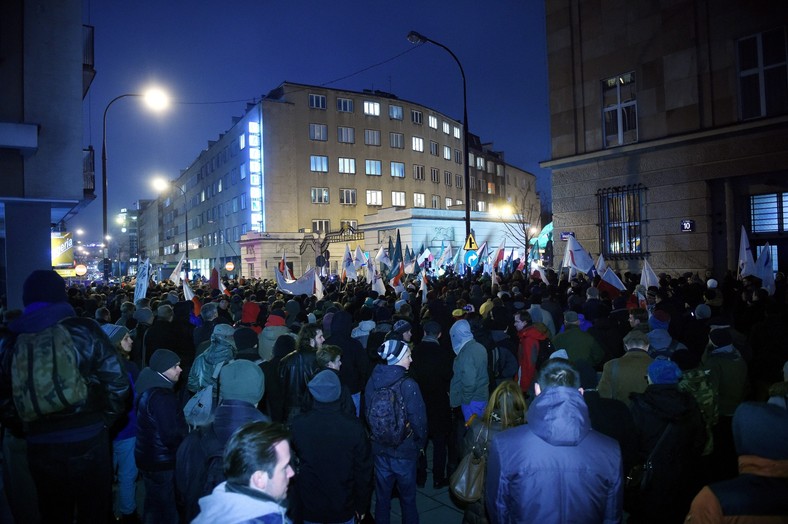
[(298, 368)]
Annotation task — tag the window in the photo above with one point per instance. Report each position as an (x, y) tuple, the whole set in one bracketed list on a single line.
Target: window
[(447, 152), (457, 133), (434, 148), (432, 120), (447, 178), (763, 78), (418, 144), (346, 135), (347, 166), (347, 197), (373, 167), (318, 132), (320, 195), (374, 197), (620, 110), (479, 162), (490, 188), (448, 202), (481, 206), (318, 163), (436, 202), (398, 169), (435, 175), (499, 170), (372, 137), (397, 140), (480, 185), (348, 223), (371, 108), (471, 159), (395, 112), (458, 156), (345, 105), (317, 101), (458, 202), (418, 200), (320, 225), (768, 213), (242, 141), (490, 166), (415, 116), (621, 219), (398, 198), (446, 128), (418, 172)]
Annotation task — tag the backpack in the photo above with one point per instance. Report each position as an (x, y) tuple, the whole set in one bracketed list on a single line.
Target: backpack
[(199, 409), (698, 384), (199, 467), (45, 374), (386, 415)]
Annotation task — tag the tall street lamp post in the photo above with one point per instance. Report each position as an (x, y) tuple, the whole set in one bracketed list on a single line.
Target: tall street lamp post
[(156, 100), (161, 185), (416, 38)]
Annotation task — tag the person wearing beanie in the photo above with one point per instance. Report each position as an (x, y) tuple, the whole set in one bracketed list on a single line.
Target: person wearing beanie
[(397, 464), (241, 387), (127, 320), (161, 427), (400, 331), (335, 456), (221, 351), (68, 453), (246, 341), (355, 363), (662, 408), (224, 316), (627, 374), (579, 344), (167, 332), (469, 386), (208, 315), (274, 328)]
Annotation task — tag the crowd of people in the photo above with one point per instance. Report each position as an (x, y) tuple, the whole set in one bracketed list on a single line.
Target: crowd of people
[(657, 404)]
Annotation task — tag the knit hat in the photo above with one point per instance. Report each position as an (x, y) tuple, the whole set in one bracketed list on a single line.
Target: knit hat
[(401, 327), (720, 337), (115, 332), (711, 283), (163, 359), (44, 286), (659, 320), (223, 330), (172, 297), (325, 386), (245, 338), (242, 380), (571, 317), (144, 315), (663, 371), (702, 311), (392, 351)]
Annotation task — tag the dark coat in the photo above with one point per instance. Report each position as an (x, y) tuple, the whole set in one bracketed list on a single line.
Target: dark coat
[(160, 423), (355, 364), (295, 371), (169, 335), (432, 371)]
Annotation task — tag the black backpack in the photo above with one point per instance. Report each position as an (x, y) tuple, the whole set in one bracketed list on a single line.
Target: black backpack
[(199, 468), (387, 416)]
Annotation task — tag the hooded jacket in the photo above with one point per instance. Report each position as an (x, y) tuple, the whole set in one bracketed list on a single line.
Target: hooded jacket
[(274, 328), (160, 423), (201, 374), (355, 364), (362, 331), (470, 380), (568, 471), (232, 504)]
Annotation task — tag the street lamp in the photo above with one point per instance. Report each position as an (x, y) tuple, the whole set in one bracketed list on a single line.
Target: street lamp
[(417, 38), (155, 99), (161, 185)]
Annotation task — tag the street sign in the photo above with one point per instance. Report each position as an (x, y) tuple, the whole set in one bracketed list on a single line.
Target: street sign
[(471, 257), (688, 225), (566, 234), (470, 244)]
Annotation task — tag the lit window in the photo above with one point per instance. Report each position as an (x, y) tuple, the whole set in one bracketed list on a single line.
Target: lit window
[(447, 178), (317, 101), (435, 175), (397, 140), (348, 224), (374, 197), (345, 105), (242, 141), (244, 171), (320, 195), (481, 206), (457, 133), (499, 170), (395, 112), (490, 166), (372, 137), (418, 144), (446, 128), (398, 198), (320, 225), (448, 202), (490, 188), (254, 128), (458, 202), (347, 166), (480, 162), (346, 135), (415, 116), (769, 213), (318, 132), (418, 172), (318, 163), (419, 200), (398, 169), (371, 108), (373, 167), (447, 152), (763, 82), (620, 110), (433, 121), (347, 197), (621, 213)]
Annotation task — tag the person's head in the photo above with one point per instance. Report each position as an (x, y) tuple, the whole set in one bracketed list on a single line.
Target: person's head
[(223, 333), (119, 336), (638, 316), (522, 319), (208, 311), (258, 456), (165, 313), (636, 339), (127, 308), (395, 353), (556, 372), (325, 386), (167, 363), (224, 302), (329, 356), (592, 293), (432, 329), (663, 371), (402, 330), (571, 318), (245, 338), (102, 314), (242, 380), (507, 404), (44, 285), (310, 338)]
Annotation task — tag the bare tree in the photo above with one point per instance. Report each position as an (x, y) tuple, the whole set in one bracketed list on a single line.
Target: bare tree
[(525, 221)]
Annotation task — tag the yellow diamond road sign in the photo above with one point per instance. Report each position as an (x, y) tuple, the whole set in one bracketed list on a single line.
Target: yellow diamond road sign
[(470, 244)]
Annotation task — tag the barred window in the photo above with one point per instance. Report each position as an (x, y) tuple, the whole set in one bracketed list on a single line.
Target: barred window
[(621, 218), (769, 212)]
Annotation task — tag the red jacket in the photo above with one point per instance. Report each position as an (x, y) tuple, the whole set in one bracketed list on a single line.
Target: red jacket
[(528, 353)]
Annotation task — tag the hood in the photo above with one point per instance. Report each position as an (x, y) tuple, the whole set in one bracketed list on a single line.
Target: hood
[(293, 308), (659, 338), (364, 327), (271, 333), (666, 401), (460, 334), (41, 315), (249, 312), (559, 416), (384, 375), (219, 351), (233, 505), (341, 324), (535, 331), (149, 379), (274, 321)]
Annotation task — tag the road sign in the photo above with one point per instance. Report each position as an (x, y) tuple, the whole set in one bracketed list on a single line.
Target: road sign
[(471, 257), (470, 244)]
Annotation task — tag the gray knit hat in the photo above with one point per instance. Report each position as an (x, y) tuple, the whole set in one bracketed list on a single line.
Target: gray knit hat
[(242, 380), (325, 386)]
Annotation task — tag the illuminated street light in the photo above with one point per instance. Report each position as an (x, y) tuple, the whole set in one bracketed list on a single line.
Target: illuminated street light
[(155, 99)]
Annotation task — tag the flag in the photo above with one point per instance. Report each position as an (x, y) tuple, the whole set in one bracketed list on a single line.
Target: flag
[(493, 278), (482, 252), (318, 286), (359, 259), (377, 282), (382, 257), (284, 267), (410, 267), (425, 254), (213, 283), (188, 294), (648, 278), (223, 288), (611, 284), (143, 275), (542, 274), (498, 256), (601, 265), (765, 271), (397, 266), (303, 285), (578, 258), (348, 269), (423, 288), (507, 264), (176, 273), (746, 260), (446, 256)]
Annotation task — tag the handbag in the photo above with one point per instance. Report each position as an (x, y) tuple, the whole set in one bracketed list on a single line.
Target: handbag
[(640, 476), (467, 481)]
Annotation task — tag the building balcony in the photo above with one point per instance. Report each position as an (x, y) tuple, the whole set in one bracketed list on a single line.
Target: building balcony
[(89, 172), (88, 63)]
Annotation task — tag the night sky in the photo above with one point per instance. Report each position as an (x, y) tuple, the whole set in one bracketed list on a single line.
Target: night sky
[(213, 57)]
